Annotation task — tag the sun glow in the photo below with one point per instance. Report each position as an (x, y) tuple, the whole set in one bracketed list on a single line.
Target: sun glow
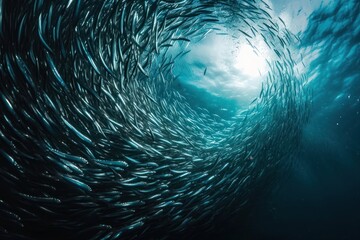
[(226, 66), (249, 62)]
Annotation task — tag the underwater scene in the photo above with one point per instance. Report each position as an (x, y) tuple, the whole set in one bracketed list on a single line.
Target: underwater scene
[(180, 119)]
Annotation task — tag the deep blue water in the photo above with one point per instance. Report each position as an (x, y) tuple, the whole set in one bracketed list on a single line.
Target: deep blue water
[(312, 193), (319, 197)]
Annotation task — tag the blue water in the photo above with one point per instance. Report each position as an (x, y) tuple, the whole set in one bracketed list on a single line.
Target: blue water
[(279, 187), (319, 197)]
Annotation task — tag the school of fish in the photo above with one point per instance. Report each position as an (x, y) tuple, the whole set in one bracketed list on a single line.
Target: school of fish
[(96, 141)]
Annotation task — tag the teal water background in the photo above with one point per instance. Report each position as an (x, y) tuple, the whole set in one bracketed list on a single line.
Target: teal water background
[(319, 198)]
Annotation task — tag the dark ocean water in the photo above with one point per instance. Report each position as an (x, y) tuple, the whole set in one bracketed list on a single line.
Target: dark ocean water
[(145, 145), (320, 195)]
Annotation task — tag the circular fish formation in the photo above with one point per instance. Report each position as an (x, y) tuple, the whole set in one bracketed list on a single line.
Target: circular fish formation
[(96, 139)]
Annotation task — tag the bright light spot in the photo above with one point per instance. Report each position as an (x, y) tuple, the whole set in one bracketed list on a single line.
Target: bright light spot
[(250, 63), (226, 66)]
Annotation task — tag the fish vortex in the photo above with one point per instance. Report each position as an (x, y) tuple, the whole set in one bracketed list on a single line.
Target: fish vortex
[(98, 142)]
